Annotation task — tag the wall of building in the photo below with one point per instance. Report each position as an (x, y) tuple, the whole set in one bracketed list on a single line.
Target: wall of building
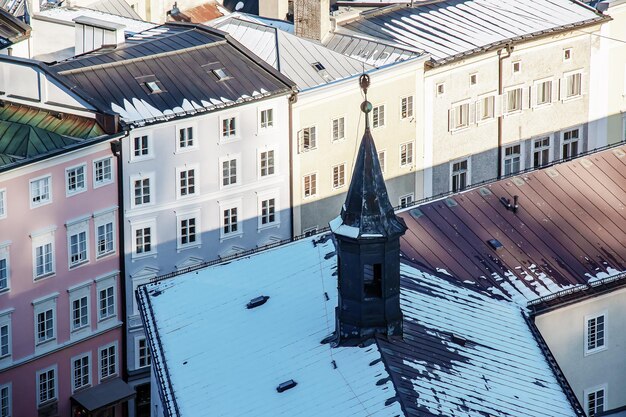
[(320, 106), (25, 227), (564, 332)]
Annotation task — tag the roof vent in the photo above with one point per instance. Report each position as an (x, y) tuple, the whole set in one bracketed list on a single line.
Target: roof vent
[(258, 301), (286, 385), (495, 244), (459, 340), (220, 73), (153, 87)]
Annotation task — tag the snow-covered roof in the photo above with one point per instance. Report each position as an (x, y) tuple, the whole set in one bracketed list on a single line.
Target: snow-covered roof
[(464, 353), (68, 14), (450, 29)]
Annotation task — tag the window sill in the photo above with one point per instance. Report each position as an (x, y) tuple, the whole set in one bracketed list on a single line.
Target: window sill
[(186, 149), (230, 236), (69, 194), (5, 290), (104, 255), (594, 351), (103, 319), (196, 245), (461, 129), (45, 342), (80, 329), (512, 113), (310, 197), (263, 227), (136, 256), (44, 276), (542, 106), (225, 140), (141, 206), (108, 377), (102, 184), (303, 150), (77, 265), (81, 388), (141, 158), (47, 404), (40, 204), (572, 98)]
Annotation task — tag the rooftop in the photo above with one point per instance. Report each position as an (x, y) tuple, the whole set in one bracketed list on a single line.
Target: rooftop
[(199, 14), (12, 30), (142, 89), (450, 29), (449, 363)]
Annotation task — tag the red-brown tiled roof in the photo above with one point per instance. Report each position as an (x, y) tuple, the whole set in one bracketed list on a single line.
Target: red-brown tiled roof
[(570, 228), (198, 14)]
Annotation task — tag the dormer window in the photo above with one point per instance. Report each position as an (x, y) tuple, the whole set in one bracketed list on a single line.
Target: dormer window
[(153, 87), (220, 73)]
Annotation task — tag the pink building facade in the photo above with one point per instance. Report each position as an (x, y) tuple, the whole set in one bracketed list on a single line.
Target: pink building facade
[(61, 311)]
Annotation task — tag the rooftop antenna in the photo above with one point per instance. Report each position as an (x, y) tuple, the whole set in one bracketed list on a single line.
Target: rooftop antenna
[(366, 106)]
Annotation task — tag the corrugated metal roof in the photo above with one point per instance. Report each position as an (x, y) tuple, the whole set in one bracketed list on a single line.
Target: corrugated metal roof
[(293, 56), (199, 14), (569, 229), (16, 7), (115, 7), (68, 14), (447, 29), (12, 30), (118, 78)]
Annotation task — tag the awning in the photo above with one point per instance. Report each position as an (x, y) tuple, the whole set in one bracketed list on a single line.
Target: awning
[(103, 395)]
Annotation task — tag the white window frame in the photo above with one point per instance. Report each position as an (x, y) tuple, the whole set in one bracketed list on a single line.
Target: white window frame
[(378, 125), (238, 170), (237, 133), (6, 256), (116, 363), (578, 140), (41, 202), (535, 93), (304, 177), (264, 196), (479, 108), (149, 143), (383, 165), (410, 109), (468, 173), (68, 192), (104, 181), (273, 121), (312, 138), (564, 84), (473, 79), (341, 135), (73, 371), (9, 410), (260, 153), (55, 387), (102, 219), (505, 157), (440, 89), (39, 239), (566, 52), (457, 107), (151, 192), (410, 157), (138, 365), (595, 390), (75, 228), (195, 141), (187, 215), (505, 98), (42, 305), (6, 320), (341, 182), (410, 196), (597, 349), (147, 223), (226, 205), (3, 203), (196, 177), (79, 292), (549, 147), (519, 67), (103, 283)]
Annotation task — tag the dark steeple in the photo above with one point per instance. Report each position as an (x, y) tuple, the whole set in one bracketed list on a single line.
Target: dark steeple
[(368, 250)]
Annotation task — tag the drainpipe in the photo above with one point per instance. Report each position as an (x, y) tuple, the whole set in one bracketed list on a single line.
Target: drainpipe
[(293, 98), (501, 59)]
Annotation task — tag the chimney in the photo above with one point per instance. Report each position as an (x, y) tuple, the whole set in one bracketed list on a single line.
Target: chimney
[(312, 18), (274, 9), (367, 233), (92, 34)]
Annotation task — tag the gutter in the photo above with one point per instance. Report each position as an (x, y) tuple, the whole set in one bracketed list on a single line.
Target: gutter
[(293, 98), (501, 59)]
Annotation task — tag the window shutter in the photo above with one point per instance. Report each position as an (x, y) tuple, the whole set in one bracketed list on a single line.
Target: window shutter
[(562, 85), (555, 91), (532, 93), (450, 120), (300, 141), (525, 98), (472, 113), (503, 104)]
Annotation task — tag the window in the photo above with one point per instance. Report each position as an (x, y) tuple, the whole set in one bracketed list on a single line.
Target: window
[(40, 192), (221, 74), (440, 89), (153, 86), (541, 152), (486, 108), (378, 118), (230, 221), (185, 137), (141, 191), (517, 66), (567, 54), (188, 231), (4, 271), (5, 336), (372, 280), (406, 154), (406, 200), (339, 128), (75, 180), (570, 143), (268, 211), (308, 138), (80, 313), (543, 93), (406, 107), (143, 240), (104, 242), (514, 100), (339, 176), (102, 172), (187, 182), (80, 374), (229, 127), (5, 401), (310, 185), (78, 248), (596, 401), (512, 158), (459, 116), (267, 163), (141, 146), (106, 303), (44, 260), (143, 353), (46, 386), (107, 362), (573, 85), (595, 333), (45, 326), (267, 118), (459, 176), (381, 159), (3, 205), (473, 78), (229, 172)]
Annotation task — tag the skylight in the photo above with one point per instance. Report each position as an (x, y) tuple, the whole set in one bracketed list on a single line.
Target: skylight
[(153, 87), (318, 66), (220, 73)]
